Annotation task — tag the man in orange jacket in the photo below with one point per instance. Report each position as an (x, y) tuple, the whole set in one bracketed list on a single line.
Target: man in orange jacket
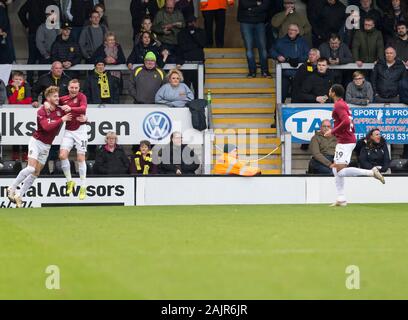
[(215, 10), (228, 164)]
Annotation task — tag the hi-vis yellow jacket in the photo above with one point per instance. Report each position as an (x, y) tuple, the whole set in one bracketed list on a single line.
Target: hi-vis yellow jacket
[(227, 165)]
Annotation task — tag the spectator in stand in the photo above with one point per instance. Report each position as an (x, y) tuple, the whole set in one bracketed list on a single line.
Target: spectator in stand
[(177, 158), (78, 12), (322, 150), (100, 8), (303, 72), (167, 24), (101, 87), (398, 12), (186, 7), (403, 88), (66, 50), (112, 54), (32, 15), (337, 53), (292, 49), (175, 93), (383, 5), (19, 92), (368, 44), (316, 88), (139, 9), (374, 153), (146, 80), (56, 77), (359, 91), (288, 16), (144, 46), (3, 93), (44, 39), (92, 37), (400, 42), (147, 27), (386, 78), (367, 10), (191, 48), (111, 157), (214, 11), (7, 53), (142, 161), (326, 17), (252, 17)]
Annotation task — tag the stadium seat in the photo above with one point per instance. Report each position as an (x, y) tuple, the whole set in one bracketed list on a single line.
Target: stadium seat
[(90, 166), (10, 167), (399, 166)]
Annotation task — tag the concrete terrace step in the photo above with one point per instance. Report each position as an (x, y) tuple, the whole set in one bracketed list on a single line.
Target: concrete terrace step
[(216, 69), (240, 83), (222, 139), (243, 97), (247, 101), (246, 131), (216, 111), (242, 90), (258, 151)]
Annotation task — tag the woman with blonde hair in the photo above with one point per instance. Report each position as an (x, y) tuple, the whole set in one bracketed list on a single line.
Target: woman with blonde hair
[(175, 93)]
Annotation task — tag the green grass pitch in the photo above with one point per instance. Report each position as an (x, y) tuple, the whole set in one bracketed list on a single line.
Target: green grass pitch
[(205, 252)]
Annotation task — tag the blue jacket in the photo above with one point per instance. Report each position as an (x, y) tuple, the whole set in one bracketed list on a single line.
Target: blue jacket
[(295, 51)]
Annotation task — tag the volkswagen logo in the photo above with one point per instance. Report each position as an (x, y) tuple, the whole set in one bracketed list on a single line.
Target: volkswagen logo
[(157, 125)]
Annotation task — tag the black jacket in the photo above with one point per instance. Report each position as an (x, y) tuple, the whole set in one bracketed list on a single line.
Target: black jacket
[(66, 50), (326, 19), (250, 12), (32, 13), (100, 54), (373, 154), (401, 46), (191, 45), (81, 11), (47, 80), (385, 81), (302, 73), (316, 85), (93, 91), (139, 51), (139, 9), (107, 162), (172, 160)]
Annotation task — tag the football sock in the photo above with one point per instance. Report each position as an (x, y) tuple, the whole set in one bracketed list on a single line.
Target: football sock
[(66, 169), (27, 183), (339, 181), (22, 175), (82, 172), (355, 172)]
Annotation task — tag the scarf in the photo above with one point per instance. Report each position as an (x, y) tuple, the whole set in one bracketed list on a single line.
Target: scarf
[(113, 52), (20, 93), (103, 85)]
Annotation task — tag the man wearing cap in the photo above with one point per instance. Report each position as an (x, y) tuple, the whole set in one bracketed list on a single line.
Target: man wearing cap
[(66, 50), (146, 80), (290, 15), (228, 164), (101, 87)]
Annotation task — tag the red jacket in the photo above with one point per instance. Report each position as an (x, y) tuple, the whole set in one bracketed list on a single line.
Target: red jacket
[(13, 95)]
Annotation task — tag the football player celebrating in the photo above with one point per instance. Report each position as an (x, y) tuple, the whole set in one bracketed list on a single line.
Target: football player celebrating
[(49, 122), (75, 133), (346, 141)]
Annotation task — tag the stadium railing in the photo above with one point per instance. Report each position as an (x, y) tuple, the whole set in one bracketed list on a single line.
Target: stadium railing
[(121, 67)]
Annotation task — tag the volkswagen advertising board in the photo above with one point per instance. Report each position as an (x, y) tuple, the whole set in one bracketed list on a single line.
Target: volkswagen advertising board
[(131, 124)]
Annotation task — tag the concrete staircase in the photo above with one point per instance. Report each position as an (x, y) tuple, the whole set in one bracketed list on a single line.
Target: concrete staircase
[(242, 109)]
